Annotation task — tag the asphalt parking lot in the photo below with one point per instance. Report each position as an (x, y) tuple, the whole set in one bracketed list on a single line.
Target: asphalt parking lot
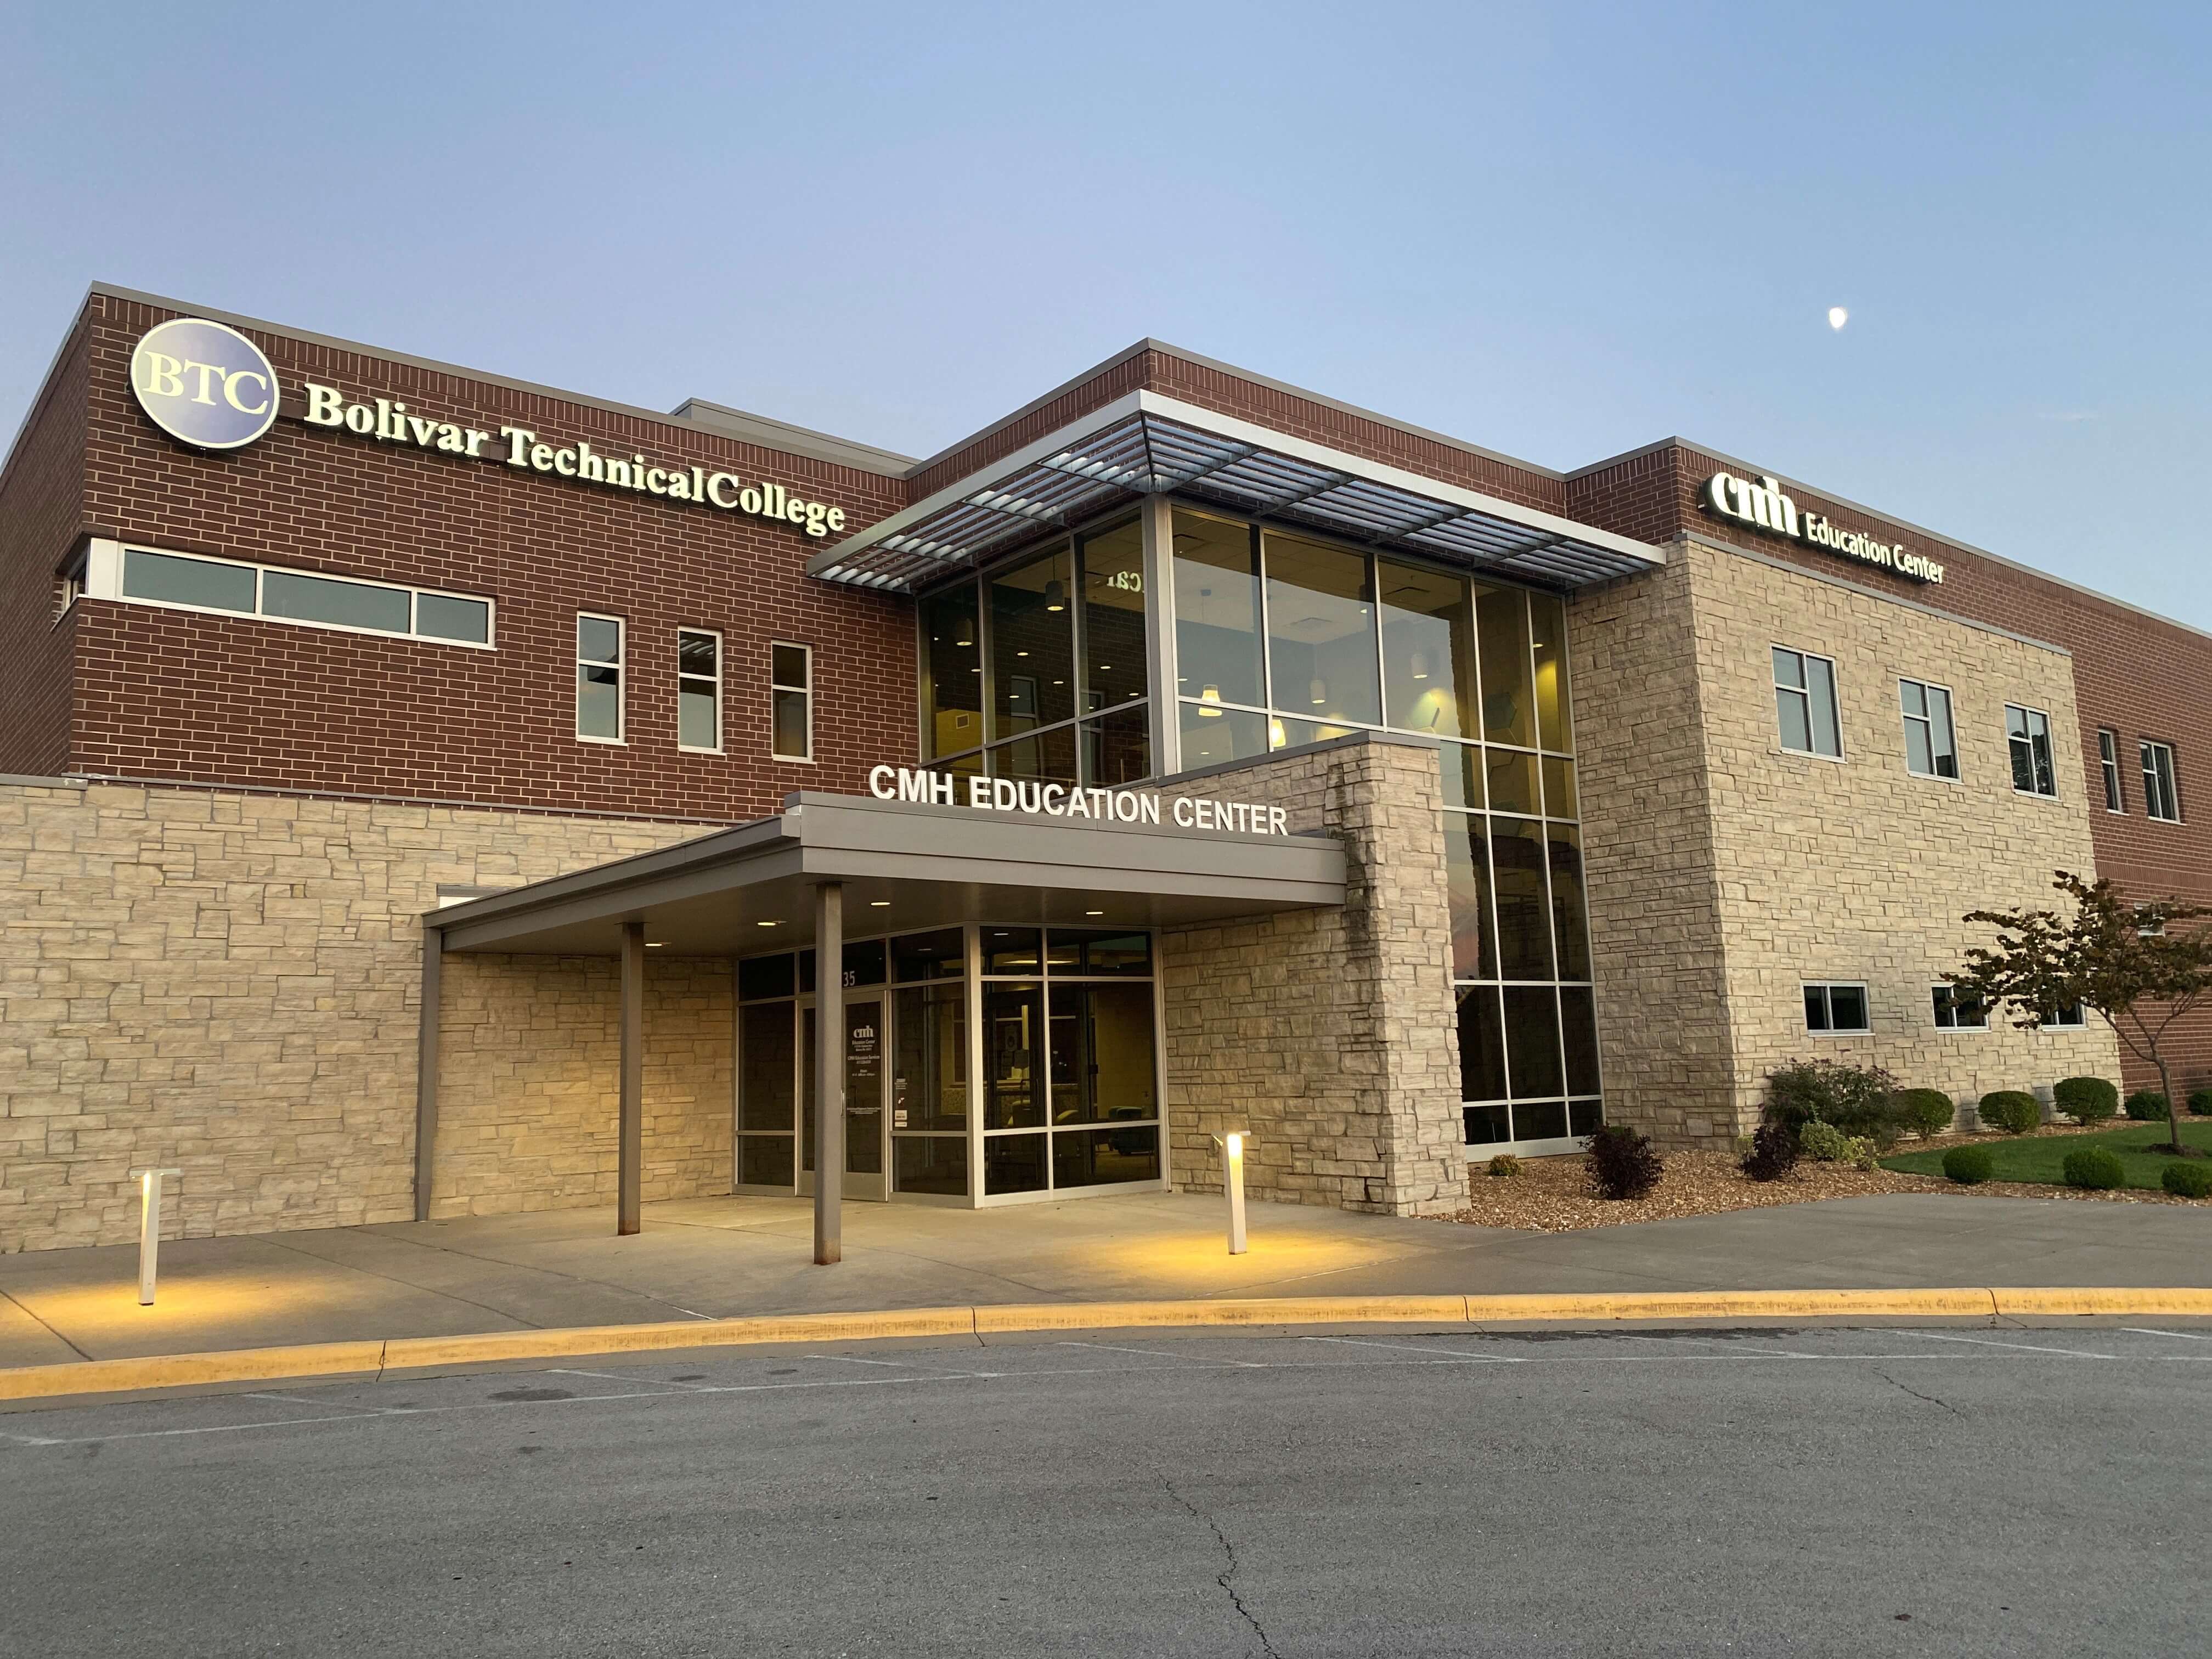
[(1827, 1490)]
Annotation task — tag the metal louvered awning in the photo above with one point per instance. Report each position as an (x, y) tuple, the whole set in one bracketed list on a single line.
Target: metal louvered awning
[(1147, 444)]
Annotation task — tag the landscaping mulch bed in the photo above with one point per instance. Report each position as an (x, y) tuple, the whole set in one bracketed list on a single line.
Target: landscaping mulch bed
[(1553, 1194)]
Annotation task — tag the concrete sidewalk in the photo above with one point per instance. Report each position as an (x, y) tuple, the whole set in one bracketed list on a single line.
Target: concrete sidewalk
[(729, 1257)]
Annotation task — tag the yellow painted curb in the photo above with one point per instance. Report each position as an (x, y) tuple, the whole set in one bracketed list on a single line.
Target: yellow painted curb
[(182, 1370), (381, 1358), (2174, 1302)]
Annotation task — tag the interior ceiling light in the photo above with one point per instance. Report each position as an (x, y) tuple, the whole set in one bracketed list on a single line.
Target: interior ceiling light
[(1420, 664), (1209, 703), (765, 924), (1055, 597), (878, 904), (1318, 690)]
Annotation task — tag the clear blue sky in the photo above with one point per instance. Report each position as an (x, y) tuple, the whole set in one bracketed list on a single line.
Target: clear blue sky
[(1560, 232)]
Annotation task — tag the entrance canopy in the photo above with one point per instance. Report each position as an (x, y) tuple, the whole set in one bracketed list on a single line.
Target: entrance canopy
[(902, 866), (1145, 443)]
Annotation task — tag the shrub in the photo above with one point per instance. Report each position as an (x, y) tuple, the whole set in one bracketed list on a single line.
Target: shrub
[(1926, 1112), (2097, 1168), (1774, 1150), (2187, 1180), (2200, 1104), (1504, 1164), (2146, 1106), (2013, 1110), (2085, 1099), (1824, 1143), (1970, 1166), (1860, 1100), (1621, 1163)]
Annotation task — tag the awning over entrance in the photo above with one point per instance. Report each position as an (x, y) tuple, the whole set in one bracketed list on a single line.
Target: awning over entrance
[(833, 867), (903, 866), (1146, 443)]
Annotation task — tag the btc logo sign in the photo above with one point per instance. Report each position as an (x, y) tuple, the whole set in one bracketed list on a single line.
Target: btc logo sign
[(204, 384)]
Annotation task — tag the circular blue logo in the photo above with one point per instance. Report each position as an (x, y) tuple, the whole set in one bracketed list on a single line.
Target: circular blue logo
[(204, 384)]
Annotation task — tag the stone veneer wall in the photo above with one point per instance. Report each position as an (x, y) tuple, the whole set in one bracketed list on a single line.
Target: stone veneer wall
[(229, 982), (1858, 870), (1665, 1043), (1718, 888), (527, 1082), (1329, 1034)]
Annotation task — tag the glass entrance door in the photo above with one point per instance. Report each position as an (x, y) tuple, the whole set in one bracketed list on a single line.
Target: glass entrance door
[(867, 1131)]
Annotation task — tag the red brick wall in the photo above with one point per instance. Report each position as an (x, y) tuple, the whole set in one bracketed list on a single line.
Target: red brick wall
[(41, 502), (175, 695), (2139, 675)]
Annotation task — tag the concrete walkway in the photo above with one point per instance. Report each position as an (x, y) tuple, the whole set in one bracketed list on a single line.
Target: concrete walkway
[(725, 1257)]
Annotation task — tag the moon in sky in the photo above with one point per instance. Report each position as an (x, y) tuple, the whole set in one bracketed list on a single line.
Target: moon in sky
[(1837, 316)]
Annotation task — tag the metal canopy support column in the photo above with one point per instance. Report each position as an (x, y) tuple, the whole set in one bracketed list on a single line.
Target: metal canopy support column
[(828, 1072), (1160, 635), (426, 1070), (630, 1133)]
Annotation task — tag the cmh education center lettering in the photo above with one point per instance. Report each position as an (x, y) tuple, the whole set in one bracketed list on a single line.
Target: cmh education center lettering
[(1068, 801), (207, 385), (1762, 505)]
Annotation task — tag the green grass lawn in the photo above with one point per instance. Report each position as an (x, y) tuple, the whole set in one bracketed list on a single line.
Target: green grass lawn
[(2043, 1157)]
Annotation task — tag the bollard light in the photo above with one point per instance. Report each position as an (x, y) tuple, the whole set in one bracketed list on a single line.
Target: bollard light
[(1232, 1184), (149, 1228)]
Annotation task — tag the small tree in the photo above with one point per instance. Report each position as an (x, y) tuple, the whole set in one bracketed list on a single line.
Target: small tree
[(2130, 962)]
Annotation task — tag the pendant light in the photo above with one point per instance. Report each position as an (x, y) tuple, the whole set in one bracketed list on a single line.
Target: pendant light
[(1209, 703), (1318, 690), (1055, 596), (1420, 664)]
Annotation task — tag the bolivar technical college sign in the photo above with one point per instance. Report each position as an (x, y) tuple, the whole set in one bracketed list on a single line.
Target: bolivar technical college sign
[(1761, 504), (207, 385)]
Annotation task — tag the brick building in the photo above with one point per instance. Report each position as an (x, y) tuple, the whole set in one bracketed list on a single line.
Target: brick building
[(425, 792)]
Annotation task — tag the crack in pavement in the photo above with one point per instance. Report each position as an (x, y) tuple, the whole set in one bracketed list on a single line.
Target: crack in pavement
[(1223, 1579), (1917, 1394)]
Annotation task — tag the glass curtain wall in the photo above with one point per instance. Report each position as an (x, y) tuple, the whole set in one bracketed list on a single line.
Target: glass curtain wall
[(1070, 1088), (1282, 640), (1036, 671)]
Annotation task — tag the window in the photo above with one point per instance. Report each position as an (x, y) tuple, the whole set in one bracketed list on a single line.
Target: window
[(176, 581), (791, 702), (2067, 1017), (2160, 798), (698, 690), (1931, 751), (2108, 761), (1839, 1009), (1955, 1012), (599, 678), (1805, 699), (2027, 731)]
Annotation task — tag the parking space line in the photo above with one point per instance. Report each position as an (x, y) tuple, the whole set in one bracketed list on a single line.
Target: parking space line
[(2186, 1336), (1155, 1353), (2025, 1347), (1441, 1353)]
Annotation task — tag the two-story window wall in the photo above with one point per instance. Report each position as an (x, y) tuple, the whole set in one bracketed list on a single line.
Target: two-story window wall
[(1038, 672), (1282, 639)]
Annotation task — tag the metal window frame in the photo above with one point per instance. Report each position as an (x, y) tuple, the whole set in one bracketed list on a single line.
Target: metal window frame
[(100, 577), (620, 667), (2168, 785), (805, 690), (1826, 988), (2029, 715), (714, 634), (1936, 1005), (1835, 682), (2108, 763), (1957, 774)]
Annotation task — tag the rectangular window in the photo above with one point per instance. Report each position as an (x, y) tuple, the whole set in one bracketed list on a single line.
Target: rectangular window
[(1955, 1012), (2068, 1017), (698, 690), (1839, 1009), (2160, 799), (2108, 761), (791, 702), (2027, 732), (1805, 702), (599, 678), (1931, 750), (176, 581)]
